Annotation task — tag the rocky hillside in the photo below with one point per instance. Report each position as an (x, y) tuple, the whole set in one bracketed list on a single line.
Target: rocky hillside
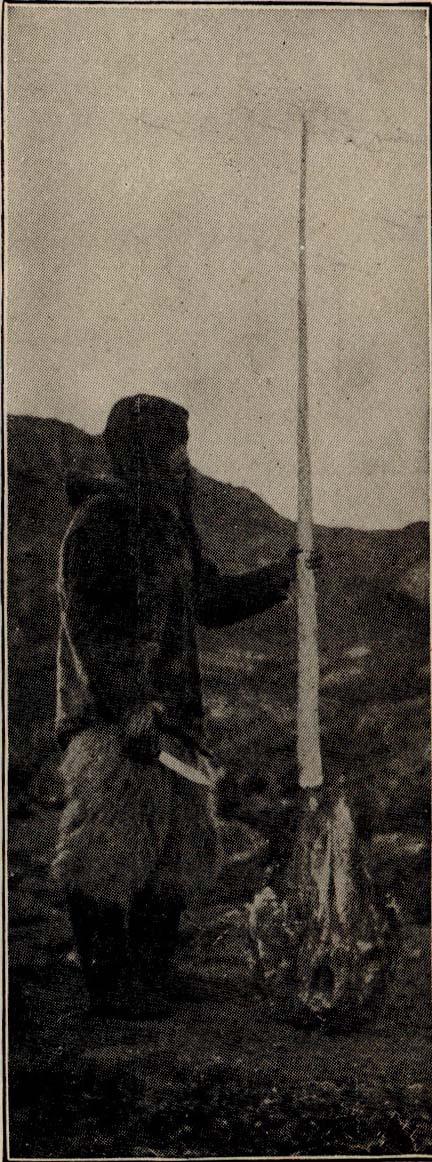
[(373, 618), (226, 1071)]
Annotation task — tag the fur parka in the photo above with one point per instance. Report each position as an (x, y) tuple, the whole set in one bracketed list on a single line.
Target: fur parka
[(133, 584)]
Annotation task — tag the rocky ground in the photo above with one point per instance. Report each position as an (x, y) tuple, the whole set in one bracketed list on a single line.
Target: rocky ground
[(227, 1073)]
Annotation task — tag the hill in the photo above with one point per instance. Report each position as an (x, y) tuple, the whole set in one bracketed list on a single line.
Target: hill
[(373, 618), (226, 1072)]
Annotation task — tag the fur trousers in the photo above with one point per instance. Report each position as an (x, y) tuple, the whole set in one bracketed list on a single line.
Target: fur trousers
[(128, 825)]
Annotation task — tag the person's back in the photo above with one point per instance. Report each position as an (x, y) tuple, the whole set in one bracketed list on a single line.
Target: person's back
[(127, 593)]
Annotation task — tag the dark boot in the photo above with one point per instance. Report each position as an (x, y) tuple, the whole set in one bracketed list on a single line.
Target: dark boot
[(153, 934), (101, 937)]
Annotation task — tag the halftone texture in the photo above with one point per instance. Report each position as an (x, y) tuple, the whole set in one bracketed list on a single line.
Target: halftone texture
[(153, 170), (144, 426), (127, 824)]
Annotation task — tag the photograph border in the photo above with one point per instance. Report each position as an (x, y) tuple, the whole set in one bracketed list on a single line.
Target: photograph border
[(425, 7)]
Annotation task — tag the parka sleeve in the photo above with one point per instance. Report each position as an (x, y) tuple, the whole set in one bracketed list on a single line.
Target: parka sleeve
[(223, 599)]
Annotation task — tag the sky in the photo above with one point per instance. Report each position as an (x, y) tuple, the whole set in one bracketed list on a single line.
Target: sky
[(152, 159)]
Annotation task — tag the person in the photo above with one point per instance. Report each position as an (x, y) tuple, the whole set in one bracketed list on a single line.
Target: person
[(138, 839)]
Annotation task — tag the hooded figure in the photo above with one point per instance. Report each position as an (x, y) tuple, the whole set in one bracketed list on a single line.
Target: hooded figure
[(138, 840)]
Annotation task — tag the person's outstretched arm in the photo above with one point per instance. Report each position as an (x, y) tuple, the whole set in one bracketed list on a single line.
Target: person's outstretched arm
[(223, 599)]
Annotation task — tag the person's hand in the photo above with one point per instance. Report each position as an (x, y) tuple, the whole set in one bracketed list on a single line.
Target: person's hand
[(141, 735), (284, 569), (290, 557), (314, 560)]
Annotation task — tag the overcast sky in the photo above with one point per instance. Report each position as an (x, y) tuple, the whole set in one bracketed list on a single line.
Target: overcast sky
[(153, 168)]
